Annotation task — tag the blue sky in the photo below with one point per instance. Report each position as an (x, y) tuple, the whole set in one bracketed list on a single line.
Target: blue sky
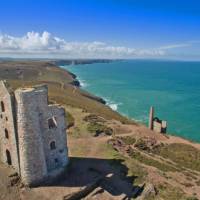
[(166, 28)]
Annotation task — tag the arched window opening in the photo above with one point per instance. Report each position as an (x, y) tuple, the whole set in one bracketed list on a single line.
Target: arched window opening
[(53, 145), (8, 156), (52, 123), (2, 107), (6, 133)]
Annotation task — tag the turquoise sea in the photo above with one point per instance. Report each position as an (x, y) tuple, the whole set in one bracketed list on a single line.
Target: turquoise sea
[(131, 87)]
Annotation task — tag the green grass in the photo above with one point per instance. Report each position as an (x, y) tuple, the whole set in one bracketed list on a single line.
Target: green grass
[(93, 118), (132, 168), (182, 154), (136, 170), (151, 162), (59, 82), (128, 140), (69, 119), (107, 152), (98, 128), (61, 91), (192, 198), (166, 191)]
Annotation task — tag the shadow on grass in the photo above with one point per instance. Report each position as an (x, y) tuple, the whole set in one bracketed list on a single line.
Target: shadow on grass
[(112, 172)]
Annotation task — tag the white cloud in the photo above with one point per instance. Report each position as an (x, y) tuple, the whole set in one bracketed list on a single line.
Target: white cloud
[(180, 45), (174, 46), (46, 45)]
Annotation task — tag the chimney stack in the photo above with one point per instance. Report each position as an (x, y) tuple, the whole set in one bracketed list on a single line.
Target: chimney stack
[(151, 117)]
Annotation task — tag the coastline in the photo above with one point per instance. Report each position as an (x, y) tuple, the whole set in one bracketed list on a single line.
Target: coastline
[(80, 84), (77, 83), (169, 159), (172, 137), (65, 77)]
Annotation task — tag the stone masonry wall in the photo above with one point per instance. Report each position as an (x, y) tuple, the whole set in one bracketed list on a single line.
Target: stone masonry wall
[(7, 122), (32, 157), (56, 158), (38, 160), (36, 134)]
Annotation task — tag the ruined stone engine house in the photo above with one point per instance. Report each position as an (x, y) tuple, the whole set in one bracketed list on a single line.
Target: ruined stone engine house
[(32, 134), (155, 124)]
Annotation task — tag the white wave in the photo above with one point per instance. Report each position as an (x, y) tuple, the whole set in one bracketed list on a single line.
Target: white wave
[(113, 106), (82, 82)]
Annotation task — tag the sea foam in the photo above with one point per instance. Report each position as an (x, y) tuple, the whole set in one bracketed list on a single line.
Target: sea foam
[(83, 83), (113, 105)]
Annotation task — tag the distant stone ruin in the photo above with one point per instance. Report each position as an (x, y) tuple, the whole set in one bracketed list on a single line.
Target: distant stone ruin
[(156, 124), (32, 134)]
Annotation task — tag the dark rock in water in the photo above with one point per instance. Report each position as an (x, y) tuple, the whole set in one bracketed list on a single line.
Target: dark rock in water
[(73, 75), (76, 83), (99, 99)]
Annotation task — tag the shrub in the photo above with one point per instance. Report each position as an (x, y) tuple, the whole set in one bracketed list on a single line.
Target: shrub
[(128, 140), (98, 128), (93, 118), (69, 119)]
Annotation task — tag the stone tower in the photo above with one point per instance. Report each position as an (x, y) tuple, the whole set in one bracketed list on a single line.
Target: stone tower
[(155, 124), (151, 117), (37, 143), (8, 131)]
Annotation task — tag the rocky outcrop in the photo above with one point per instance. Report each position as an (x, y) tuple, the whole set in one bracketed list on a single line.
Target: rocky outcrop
[(148, 191), (76, 83), (99, 99)]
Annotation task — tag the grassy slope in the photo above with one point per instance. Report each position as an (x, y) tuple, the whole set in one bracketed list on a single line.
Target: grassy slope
[(61, 90), (76, 103)]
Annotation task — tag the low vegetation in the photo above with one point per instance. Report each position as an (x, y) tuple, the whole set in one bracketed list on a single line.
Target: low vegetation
[(69, 119), (99, 128), (182, 154), (60, 83), (150, 161), (128, 140), (87, 116), (166, 191), (94, 118), (136, 170)]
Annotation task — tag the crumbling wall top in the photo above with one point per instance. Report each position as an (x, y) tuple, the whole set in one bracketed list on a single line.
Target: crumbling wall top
[(5, 88)]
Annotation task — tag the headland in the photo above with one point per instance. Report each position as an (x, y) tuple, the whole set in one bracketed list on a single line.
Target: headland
[(130, 159)]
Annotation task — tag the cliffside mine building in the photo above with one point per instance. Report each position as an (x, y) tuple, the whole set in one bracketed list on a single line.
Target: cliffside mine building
[(32, 133), (155, 124)]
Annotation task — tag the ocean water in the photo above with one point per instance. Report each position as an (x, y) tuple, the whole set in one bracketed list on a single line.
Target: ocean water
[(131, 87)]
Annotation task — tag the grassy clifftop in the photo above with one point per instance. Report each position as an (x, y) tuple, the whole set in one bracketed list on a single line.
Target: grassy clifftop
[(63, 86), (129, 155)]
